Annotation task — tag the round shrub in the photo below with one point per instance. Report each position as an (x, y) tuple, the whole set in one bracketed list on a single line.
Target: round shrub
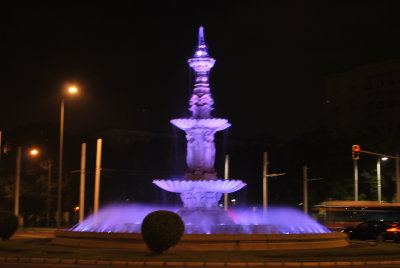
[(161, 230), (8, 224)]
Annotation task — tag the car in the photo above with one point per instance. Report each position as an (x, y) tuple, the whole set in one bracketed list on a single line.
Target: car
[(379, 231)]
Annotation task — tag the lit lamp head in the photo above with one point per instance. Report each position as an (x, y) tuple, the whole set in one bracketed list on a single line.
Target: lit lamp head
[(34, 152), (384, 158), (72, 90)]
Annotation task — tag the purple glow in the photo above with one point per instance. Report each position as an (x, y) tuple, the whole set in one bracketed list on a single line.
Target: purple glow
[(128, 218)]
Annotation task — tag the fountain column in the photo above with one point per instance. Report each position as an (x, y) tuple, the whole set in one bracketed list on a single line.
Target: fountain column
[(201, 127)]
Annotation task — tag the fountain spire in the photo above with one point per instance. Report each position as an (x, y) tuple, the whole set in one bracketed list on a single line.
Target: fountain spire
[(201, 101), (201, 51)]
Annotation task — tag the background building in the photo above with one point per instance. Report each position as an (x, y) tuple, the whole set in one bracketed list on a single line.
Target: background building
[(365, 102)]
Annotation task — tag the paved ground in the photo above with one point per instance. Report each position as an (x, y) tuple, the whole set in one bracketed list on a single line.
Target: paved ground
[(13, 262), (34, 233)]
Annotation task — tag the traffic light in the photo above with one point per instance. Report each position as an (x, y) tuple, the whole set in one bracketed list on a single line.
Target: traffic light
[(76, 209), (356, 152)]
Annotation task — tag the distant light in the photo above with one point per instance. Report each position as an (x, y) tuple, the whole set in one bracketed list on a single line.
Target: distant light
[(233, 200), (384, 158), (73, 90), (34, 152)]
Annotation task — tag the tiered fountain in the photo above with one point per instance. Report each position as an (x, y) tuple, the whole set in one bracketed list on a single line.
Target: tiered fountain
[(207, 227), (200, 190)]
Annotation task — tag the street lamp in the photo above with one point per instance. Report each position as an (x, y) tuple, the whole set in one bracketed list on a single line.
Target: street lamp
[(36, 152), (379, 177), (32, 152), (70, 90), (305, 188)]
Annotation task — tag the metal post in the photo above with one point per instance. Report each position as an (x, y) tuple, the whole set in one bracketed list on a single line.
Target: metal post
[(305, 189), (398, 178), (60, 166), (48, 193), (1, 146), (265, 183), (378, 177), (82, 184), (97, 176), (355, 179), (226, 177), (17, 181)]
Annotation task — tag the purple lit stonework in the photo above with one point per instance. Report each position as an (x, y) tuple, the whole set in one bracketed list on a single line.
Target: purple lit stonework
[(200, 188)]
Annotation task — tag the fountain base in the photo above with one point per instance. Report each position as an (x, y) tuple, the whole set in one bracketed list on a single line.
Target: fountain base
[(201, 242), (207, 221)]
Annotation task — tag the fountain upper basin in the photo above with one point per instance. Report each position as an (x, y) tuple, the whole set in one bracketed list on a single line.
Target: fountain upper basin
[(215, 123), (217, 186)]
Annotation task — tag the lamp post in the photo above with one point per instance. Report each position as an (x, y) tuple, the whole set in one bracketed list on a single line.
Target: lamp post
[(82, 183), (226, 177), (379, 177), (97, 176), (265, 184), (397, 178), (33, 152), (17, 181), (49, 166), (71, 90), (305, 188)]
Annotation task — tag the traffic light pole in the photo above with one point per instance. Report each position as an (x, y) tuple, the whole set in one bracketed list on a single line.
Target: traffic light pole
[(355, 161), (356, 151)]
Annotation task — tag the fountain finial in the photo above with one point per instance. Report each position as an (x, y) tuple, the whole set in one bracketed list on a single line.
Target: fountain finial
[(201, 51)]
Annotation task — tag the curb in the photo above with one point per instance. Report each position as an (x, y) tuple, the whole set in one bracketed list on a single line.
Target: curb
[(192, 264)]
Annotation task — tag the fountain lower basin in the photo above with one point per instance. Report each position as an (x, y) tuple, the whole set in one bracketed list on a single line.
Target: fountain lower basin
[(201, 242), (118, 226)]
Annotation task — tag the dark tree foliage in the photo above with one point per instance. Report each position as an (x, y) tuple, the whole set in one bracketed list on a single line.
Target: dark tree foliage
[(161, 230), (8, 224)]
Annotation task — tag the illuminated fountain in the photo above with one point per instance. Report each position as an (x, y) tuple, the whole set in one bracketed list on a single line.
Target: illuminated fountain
[(200, 190), (207, 226)]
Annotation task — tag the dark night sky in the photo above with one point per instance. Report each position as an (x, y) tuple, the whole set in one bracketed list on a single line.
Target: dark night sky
[(129, 58)]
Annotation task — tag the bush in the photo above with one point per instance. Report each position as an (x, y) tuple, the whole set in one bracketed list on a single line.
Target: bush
[(161, 230), (8, 224)]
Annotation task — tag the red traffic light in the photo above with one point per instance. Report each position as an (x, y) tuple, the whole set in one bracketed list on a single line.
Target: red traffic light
[(356, 152)]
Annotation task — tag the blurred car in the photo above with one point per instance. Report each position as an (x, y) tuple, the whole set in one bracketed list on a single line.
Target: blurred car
[(379, 231)]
